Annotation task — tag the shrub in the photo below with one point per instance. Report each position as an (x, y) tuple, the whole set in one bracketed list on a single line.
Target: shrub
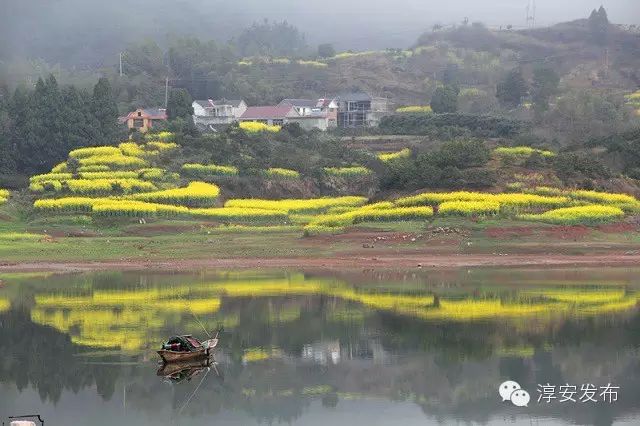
[(603, 197), (161, 147), (520, 153), (433, 198), (546, 190), (347, 171), (371, 215), (579, 165), (115, 160), (276, 172), (131, 149), (108, 175), (158, 175), (60, 168), (196, 194), (94, 168), (91, 186), (239, 214), (425, 109), (255, 127), (519, 201), (424, 124), (469, 208), (390, 156), (66, 205), (98, 151), (4, 196), (50, 176), (297, 205), (128, 208), (588, 215), (208, 170), (161, 136)]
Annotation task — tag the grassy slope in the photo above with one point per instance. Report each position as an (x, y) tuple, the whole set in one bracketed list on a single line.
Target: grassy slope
[(173, 240)]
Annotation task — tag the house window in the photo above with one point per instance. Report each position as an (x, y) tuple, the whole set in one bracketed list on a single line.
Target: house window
[(278, 122), (138, 123), (139, 114)]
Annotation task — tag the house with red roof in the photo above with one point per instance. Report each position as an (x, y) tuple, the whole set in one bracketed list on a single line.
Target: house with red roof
[(143, 119), (271, 115)]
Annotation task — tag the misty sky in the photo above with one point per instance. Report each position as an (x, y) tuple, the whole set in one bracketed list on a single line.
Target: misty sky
[(54, 29)]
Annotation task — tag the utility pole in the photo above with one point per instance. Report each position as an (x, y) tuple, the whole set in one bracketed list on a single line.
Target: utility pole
[(166, 92), (120, 64), (531, 14)]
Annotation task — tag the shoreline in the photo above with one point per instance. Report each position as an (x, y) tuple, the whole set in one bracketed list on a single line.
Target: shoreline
[(350, 262)]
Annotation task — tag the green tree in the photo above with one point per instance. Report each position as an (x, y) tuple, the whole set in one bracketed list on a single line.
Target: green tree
[(326, 50), (445, 100), (180, 105), (84, 128), (512, 88), (545, 85), (105, 110), (44, 145)]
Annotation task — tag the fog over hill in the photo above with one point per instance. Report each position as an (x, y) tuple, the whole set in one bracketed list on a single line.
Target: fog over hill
[(87, 32)]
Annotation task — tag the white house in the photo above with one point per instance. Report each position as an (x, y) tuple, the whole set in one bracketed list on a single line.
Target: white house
[(314, 113), (216, 112)]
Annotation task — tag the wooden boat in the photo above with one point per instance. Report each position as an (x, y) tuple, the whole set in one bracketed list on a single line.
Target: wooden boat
[(185, 348)]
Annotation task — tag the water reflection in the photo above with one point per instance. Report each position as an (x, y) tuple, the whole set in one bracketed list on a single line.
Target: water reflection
[(298, 345)]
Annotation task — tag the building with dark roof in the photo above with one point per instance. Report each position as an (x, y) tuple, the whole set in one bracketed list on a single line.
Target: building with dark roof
[(360, 109)]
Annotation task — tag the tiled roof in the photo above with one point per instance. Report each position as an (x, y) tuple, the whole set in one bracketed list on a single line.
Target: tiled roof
[(208, 103), (306, 103), (153, 113), (268, 112)]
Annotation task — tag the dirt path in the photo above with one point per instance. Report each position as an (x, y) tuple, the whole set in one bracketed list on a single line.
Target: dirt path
[(382, 262)]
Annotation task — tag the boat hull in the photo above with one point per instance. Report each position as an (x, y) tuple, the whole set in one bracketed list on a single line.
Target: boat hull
[(174, 356)]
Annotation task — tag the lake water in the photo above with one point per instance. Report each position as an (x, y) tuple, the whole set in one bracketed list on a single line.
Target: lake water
[(323, 347)]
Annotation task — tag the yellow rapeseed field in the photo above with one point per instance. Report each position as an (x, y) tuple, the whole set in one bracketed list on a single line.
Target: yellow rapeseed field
[(255, 127), (592, 214), (196, 194), (297, 205)]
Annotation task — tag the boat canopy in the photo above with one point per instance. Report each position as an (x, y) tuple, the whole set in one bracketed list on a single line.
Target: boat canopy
[(188, 341)]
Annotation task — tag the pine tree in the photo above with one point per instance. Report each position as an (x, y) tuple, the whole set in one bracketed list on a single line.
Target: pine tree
[(105, 111), (545, 85), (85, 130), (512, 88), (41, 139), (180, 105)]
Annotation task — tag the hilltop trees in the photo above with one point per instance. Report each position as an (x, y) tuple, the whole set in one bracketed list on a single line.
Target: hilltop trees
[(270, 39), (326, 50), (599, 25)]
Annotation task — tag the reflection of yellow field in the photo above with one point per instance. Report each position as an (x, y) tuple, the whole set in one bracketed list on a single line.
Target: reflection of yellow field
[(576, 296), (5, 305), (260, 354), (136, 319), (128, 320)]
